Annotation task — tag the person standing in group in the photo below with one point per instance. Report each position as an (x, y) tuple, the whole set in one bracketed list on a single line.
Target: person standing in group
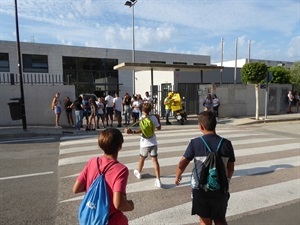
[(56, 103), (117, 104), (297, 100), (78, 107), (147, 98), (148, 145), (140, 100), (208, 205), (290, 101), (126, 108), (168, 104), (86, 110), (116, 175), (69, 111), (109, 101), (100, 112), (93, 114), (207, 103), (216, 105), (135, 112)]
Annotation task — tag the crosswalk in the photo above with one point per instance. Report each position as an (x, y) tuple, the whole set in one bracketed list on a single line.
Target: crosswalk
[(266, 174)]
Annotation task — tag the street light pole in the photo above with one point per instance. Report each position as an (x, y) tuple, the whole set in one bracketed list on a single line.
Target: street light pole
[(131, 4), (22, 101)]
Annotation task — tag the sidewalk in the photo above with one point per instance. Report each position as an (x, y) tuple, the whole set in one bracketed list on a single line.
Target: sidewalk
[(33, 131)]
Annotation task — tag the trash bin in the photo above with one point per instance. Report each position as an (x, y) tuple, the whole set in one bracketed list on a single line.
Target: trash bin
[(15, 110)]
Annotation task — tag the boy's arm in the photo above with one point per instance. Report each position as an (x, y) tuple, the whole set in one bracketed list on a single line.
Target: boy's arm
[(121, 203), (78, 187), (230, 169), (183, 163)]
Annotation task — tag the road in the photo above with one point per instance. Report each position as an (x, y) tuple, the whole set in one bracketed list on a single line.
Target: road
[(28, 180), (264, 188)]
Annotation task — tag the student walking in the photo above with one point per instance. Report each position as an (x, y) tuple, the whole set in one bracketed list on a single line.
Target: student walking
[(210, 206), (148, 145), (110, 141)]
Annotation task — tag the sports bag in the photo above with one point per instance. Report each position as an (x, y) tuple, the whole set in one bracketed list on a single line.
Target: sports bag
[(53, 104), (213, 176), (147, 127), (94, 208)]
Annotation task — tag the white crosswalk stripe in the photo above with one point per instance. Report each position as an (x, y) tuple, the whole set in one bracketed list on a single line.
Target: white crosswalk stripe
[(257, 154)]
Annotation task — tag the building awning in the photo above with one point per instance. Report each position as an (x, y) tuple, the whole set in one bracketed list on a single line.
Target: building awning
[(165, 67)]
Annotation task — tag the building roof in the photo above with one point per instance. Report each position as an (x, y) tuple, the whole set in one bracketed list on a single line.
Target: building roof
[(165, 67)]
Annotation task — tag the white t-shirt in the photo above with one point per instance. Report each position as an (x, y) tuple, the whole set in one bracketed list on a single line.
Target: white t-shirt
[(215, 102), (110, 101), (147, 99), (118, 103), (146, 142), (135, 107), (100, 107)]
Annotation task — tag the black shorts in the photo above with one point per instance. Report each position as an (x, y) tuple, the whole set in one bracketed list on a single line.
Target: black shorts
[(109, 111), (209, 205)]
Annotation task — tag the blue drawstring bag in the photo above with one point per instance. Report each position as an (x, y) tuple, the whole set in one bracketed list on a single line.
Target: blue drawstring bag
[(95, 206)]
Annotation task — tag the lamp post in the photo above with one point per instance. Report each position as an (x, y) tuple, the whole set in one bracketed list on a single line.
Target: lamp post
[(20, 69), (131, 4)]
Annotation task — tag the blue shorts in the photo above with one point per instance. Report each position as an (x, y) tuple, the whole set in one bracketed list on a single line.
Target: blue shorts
[(57, 109), (135, 115)]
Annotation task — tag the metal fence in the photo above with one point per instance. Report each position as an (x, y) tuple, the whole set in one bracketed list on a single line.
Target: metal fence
[(31, 78)]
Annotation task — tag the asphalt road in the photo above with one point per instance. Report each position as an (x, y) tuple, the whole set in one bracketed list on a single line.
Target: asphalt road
[(28, 181), (30, 176)]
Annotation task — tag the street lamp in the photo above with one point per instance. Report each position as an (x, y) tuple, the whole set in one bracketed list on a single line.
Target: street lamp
[(131, 4), (22, 101)]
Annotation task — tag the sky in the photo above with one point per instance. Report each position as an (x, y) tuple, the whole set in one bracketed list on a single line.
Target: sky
[(172, 26)]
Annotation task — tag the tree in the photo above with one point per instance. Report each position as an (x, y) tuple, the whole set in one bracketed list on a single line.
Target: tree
[(295, 75), (280, 75), (254, 73)]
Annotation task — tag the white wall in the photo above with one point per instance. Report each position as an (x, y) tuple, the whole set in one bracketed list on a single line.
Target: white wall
[(38, 100), (239, 100)]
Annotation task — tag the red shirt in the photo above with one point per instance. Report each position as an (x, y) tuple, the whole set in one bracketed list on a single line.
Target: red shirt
[(116, 178)]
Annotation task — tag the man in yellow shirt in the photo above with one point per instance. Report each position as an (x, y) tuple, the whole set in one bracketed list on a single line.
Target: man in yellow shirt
[(168, 103)]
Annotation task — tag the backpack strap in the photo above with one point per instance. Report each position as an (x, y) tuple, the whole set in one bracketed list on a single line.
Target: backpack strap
[(107, 168), (219, 144)]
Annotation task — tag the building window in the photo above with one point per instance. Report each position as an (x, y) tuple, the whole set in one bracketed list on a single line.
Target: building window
[(179, 63), (158, 62), (4, 62), (91, 75), (35, 63), (199, 64)]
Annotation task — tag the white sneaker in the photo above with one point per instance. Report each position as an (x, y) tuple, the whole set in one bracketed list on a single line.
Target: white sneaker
[(157, 183), (137, 174)]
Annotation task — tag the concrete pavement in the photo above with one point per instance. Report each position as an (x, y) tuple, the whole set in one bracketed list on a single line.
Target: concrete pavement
[(49, 130)]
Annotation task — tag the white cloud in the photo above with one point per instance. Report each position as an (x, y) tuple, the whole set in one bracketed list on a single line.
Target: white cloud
[(189, 26), (294, 48)]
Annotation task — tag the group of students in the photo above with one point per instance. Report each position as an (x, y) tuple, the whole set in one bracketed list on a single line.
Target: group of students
[(212, 103), (103, 111), (210, 208)]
